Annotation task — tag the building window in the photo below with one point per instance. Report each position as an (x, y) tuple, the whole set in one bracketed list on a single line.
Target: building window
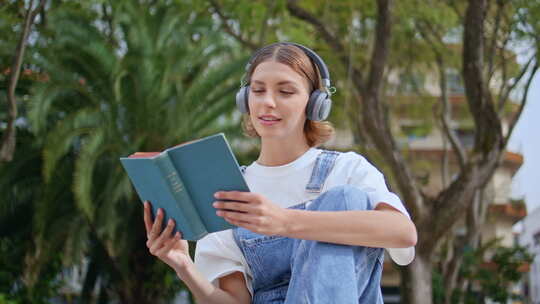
[(466, 136), (453, 83), (536, 238), (411, 83)]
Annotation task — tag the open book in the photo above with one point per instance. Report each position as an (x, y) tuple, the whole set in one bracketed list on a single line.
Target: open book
[(183, 179)]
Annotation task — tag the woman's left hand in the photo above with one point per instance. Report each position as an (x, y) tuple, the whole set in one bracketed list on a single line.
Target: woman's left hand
[(252, 211)]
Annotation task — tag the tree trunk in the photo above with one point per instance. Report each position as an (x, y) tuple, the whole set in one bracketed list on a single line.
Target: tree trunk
[(416, 281), (7, 147)]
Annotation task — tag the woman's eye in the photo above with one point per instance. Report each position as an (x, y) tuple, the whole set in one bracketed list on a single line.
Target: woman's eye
[(257, 90), (286, 92)]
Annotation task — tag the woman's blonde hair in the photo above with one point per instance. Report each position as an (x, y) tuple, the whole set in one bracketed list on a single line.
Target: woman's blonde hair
[(317, 132)]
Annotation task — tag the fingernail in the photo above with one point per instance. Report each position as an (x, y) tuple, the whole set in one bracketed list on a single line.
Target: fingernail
[(217, 194), (169, 222), (215, 204), (159, 211)]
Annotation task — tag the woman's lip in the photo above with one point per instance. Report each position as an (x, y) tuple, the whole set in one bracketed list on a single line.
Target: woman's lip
[(268, 122)]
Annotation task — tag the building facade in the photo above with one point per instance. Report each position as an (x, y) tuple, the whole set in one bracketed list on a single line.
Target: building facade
[(530, 237)]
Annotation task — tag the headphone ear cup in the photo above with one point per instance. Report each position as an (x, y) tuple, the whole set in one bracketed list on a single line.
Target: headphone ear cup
[(242, 99), (326, 105), (311, 104), (318, 106)]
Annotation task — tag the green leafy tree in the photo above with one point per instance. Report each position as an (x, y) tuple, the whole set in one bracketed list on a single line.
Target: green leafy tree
[(21, 183), (487, 276), (127, 77), (365, 42), (17, 225)]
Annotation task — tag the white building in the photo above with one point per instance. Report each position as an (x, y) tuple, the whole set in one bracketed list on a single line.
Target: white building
[(530, 237)]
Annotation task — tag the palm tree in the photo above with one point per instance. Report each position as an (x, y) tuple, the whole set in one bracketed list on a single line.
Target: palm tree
[(163, 76)]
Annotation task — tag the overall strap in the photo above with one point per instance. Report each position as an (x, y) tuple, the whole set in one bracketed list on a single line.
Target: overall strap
[(243, 169), (323, 166)]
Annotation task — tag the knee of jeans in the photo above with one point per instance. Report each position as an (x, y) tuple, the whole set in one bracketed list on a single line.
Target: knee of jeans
[(344, 197)]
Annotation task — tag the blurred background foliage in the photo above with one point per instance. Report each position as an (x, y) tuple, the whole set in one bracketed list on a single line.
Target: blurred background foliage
[(105, 78)]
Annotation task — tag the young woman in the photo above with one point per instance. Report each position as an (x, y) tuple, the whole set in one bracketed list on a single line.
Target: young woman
[(313, 227)]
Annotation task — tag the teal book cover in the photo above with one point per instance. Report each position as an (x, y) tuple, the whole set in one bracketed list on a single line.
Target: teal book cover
[(183, 179)]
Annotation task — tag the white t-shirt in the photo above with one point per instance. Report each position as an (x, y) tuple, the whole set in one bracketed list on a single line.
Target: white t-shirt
[(218, 255)]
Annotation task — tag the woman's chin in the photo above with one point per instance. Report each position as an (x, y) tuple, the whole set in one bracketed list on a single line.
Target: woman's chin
[(271, 134)]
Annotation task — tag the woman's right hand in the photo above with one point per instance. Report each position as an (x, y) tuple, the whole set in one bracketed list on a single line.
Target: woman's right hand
[(169, 248)]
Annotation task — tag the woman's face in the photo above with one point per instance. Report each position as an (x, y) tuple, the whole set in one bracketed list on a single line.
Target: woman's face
[(278, 97)]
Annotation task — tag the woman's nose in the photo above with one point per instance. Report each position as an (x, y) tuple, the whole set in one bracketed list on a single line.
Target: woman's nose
[(268, 100)]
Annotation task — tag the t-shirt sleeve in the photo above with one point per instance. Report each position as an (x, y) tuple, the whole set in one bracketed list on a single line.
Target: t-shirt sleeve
[(216, 257), (371, 180)]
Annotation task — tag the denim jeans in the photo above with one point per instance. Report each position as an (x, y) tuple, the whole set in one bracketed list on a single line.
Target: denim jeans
[(287, 270)]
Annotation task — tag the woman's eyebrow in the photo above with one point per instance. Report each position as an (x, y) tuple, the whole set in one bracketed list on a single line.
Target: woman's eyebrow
[(279, 83), (287, 82)]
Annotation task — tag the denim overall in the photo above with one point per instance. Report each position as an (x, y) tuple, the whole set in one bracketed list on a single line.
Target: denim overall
[(287, 270)]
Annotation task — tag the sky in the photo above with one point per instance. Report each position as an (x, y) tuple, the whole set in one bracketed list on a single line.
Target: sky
[(526, 141)]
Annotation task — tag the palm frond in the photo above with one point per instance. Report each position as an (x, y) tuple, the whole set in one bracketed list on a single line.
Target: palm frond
[(60, 139), (83, 174)]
